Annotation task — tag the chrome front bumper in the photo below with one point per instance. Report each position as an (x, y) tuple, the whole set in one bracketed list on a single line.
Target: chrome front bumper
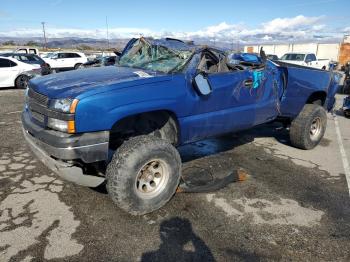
[(65, 170), (59, 151), (87, 147)]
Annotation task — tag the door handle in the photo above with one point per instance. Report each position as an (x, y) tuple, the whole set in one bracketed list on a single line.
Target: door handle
[(248, 83)]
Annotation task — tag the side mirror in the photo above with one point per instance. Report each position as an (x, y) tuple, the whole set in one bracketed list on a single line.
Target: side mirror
[(308, 60), (202, 84)]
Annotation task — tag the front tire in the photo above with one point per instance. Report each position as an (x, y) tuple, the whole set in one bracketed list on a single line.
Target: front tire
[(143, 174), (21, 82), (308, 128)]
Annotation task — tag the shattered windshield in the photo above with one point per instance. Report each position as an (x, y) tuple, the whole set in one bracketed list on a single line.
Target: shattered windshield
[(145, 55)]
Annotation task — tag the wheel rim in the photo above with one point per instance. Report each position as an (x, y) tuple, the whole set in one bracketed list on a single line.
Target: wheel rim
[(22, 82), (152, 178), (315, 129)]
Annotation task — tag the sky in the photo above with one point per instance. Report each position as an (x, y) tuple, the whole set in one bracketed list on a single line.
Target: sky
[(244, 21)]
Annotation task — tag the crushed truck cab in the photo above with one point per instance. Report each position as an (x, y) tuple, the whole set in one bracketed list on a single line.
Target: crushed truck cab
[(129, 118)]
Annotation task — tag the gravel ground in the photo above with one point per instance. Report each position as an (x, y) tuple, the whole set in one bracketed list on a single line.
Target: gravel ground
[(294, 205)]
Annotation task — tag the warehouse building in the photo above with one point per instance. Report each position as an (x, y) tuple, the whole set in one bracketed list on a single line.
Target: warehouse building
[(334, 51)]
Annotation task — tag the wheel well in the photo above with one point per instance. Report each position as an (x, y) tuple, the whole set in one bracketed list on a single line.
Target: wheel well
[(161, 123), (318, 97)]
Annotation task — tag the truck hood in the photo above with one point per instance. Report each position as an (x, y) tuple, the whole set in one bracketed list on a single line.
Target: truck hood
[(74, 83)]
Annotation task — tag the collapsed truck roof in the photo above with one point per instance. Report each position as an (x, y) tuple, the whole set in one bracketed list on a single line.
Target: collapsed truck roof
[(165, 55)]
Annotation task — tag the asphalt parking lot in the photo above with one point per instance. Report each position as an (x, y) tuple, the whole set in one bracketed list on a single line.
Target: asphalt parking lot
[(294, 205)]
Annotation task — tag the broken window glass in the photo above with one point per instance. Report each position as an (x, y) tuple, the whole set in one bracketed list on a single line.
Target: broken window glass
[(146, 55)]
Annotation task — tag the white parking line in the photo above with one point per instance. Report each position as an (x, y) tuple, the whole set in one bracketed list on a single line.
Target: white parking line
[(343, 153)]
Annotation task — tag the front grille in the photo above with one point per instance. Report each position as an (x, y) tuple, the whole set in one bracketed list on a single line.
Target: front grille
[(35, 101), (37, 116), (38, 106), (38, 98)]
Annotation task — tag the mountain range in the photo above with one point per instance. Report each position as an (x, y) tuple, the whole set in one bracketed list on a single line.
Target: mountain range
[(76, 42)]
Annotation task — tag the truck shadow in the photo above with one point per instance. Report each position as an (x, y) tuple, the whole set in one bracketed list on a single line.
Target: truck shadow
[(213, 146), (178, 243), (228, 142)]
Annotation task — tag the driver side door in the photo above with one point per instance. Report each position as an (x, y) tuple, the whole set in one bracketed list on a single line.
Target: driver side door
[(239, 99)]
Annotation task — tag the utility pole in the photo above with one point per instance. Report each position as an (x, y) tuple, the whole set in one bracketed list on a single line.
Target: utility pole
[(107, 33), (45, 41)]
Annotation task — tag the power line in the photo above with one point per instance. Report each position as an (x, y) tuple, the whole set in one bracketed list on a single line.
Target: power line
[(107, 33)]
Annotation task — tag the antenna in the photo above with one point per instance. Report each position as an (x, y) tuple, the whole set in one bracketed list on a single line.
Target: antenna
[(45, 41), (107, 33)]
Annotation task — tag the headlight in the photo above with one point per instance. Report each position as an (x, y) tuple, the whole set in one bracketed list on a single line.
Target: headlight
[(57, 124), (61, 125), (65, 105), (62, 105)]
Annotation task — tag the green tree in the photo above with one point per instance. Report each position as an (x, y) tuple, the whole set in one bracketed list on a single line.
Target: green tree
[(11, 42), (32, 43), (84, 47)]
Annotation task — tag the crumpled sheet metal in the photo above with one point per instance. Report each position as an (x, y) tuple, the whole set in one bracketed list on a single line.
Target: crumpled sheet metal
[(192, 185)]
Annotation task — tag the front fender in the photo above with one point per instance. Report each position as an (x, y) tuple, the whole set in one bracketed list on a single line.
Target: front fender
[(106, 120), (101, 111), (119, 113)]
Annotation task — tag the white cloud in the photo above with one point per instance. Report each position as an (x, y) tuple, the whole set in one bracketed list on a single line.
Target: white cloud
[(267, 38), (298, 28), (279, 25), (346, 30)]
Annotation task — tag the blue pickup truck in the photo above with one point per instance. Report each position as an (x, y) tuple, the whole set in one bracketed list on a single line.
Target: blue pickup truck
[(120, 125)]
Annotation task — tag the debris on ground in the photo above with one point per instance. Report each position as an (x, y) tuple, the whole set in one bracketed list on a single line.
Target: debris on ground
[(199, 183)]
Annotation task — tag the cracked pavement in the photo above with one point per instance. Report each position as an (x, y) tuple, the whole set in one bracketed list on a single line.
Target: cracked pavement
[(294, 206)]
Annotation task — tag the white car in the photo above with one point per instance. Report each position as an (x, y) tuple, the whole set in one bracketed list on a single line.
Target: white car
[(305, 59), (65, 60), (16, 73), (27, 51)]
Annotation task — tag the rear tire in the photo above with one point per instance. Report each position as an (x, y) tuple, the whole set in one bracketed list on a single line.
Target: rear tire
[(21, 82), (143, 174), (47, 70), (308, 128), (77, 66)]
